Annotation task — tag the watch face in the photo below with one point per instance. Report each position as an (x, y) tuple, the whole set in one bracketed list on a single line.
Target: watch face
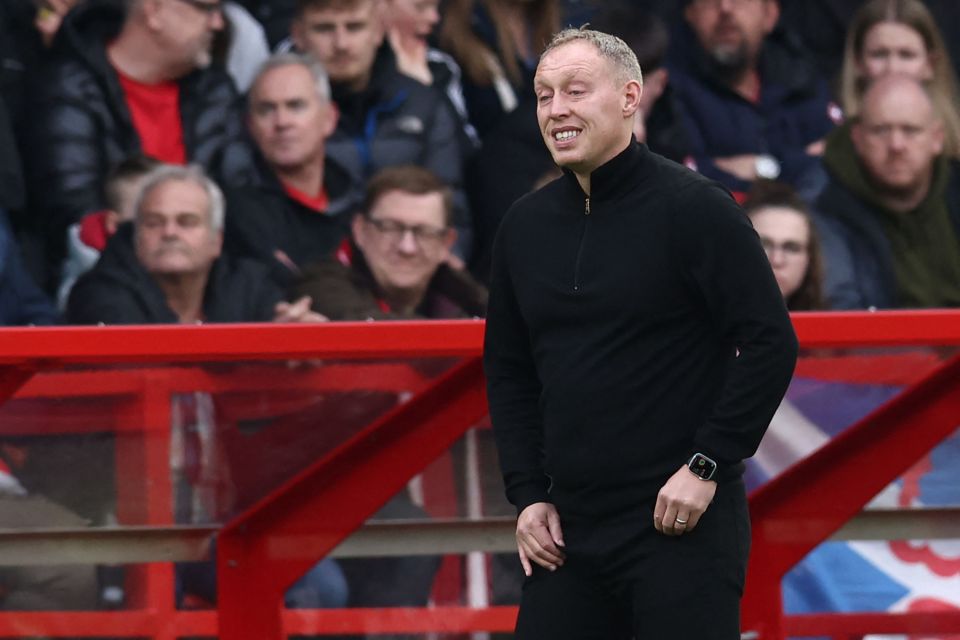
[(702, 466), (767, 167)]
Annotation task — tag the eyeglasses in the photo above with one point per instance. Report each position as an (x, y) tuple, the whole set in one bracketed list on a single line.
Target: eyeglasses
[(209, 8), (394, 231), (713, 4), (790, 248)]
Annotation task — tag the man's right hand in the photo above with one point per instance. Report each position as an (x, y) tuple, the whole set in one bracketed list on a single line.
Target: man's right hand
[(539, 538)]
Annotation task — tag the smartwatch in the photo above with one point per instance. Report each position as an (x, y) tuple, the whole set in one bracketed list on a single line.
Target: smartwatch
[(702, 466)]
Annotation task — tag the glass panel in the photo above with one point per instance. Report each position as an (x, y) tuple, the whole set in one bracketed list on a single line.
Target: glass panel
[(830, 392)]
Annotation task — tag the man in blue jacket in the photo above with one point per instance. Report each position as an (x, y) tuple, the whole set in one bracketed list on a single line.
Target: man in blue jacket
[(753, 106)]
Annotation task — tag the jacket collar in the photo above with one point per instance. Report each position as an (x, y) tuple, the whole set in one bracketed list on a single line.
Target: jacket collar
[(618, 176)]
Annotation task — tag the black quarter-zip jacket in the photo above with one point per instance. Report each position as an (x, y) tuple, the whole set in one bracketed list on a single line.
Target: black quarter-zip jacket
[(627, 331)]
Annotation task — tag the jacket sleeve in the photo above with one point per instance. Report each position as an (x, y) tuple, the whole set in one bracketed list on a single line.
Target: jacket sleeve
[(726, 265), (513, 388), (65, 156)]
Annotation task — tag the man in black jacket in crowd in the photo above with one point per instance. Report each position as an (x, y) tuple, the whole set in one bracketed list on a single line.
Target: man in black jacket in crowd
[(637, 347), (123, 81), (167, 267), (299, 210)]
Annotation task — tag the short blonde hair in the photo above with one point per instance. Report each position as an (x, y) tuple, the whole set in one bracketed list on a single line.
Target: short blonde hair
[(621, 56)]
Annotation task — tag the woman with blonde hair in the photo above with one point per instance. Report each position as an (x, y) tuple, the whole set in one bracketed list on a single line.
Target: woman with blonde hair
[(900, 36)]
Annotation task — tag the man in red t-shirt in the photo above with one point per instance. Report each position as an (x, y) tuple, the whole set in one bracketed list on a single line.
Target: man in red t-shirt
[(125, 81), (297, 213)]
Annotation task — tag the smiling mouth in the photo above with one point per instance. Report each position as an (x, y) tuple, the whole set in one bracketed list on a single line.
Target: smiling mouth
[(563, 136)]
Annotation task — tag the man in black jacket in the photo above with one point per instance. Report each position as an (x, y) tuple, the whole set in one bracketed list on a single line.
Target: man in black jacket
[(637, 347), (167, 267), (121, 83), (298, 212)]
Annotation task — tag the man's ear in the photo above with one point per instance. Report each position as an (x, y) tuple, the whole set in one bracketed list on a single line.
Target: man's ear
[(771, 15), (297, 34), (218, 242), (333, 117), (450, 239), (631, 98), (150, 9), (357, 230), (938, 134)]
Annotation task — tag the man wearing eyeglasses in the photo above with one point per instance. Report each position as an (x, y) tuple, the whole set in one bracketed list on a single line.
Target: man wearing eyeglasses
[(395, 268), (396, 265), (120, 82)]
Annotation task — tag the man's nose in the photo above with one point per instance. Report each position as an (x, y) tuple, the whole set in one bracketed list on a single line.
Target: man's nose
[(408, 242)]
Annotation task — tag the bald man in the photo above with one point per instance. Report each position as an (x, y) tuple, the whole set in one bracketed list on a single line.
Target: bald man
[(890, 214)]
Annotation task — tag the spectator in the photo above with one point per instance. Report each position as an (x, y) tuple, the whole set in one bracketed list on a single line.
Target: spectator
[(396, 269), (386, 118), (893, 203), (87, 238), (497, 43), (659, 124), (397, 265), (124, 83), (900, 36), (754, 107), (297, 213), (166, 267), (782, 220), (410, 23)]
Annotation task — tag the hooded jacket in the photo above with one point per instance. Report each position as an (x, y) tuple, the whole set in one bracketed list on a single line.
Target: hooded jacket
[(118, 290), (867, 266), (397, 120), (82, 126), (264, 219)]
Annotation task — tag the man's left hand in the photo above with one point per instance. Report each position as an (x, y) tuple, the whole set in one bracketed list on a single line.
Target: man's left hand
[(681, 502)]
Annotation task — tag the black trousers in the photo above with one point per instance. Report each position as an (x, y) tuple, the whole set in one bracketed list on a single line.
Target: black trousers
[(622, 579)]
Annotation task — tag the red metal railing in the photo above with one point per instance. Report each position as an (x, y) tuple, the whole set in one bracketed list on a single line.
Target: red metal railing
[(265, 549)]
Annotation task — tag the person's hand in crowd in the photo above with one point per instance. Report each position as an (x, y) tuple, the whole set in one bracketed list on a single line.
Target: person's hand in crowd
[(816, 148), (681, 502), (743, 167), (49, 17), (297, 311), (539, 537)]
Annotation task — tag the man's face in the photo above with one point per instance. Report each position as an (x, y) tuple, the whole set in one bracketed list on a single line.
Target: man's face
[(288, 119), (585, 114), (898, 137), (404, 238), (187, 28), (732, 31), (345, 40), (173, 231)]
